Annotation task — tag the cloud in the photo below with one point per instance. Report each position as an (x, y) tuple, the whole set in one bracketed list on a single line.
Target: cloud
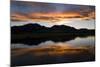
[(49, 12), (49, 17), (92, 15)]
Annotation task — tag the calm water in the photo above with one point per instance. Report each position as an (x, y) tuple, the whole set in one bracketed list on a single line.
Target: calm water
[(49, 52)]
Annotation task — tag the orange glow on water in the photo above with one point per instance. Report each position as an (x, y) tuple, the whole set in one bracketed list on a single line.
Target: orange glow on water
[(52, 50)]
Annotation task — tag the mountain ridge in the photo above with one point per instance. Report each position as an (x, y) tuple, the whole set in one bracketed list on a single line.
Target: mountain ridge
[(34, 33)]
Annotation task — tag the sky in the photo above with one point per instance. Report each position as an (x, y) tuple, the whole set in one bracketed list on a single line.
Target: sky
[(50, 14)]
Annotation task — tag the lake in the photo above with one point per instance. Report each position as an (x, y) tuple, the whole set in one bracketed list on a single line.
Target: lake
[(79, 49)]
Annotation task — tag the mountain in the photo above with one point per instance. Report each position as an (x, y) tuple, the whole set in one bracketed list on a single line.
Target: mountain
[(36, 28), (36, 33)]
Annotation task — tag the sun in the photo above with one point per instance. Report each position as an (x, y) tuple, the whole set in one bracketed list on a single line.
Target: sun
[(62, 22)]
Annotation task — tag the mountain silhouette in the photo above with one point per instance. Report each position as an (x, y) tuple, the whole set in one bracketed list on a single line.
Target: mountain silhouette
[(36, 28), (35, 33)]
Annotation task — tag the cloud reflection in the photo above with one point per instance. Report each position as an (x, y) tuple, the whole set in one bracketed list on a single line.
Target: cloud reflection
[(52, 50)]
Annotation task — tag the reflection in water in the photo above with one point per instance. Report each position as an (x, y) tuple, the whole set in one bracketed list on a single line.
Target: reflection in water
[(79, 49), (76, 42), (49, 49)]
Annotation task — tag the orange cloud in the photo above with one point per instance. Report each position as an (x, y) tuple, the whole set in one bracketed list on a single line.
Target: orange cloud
[(50, 17), (92, 15), (18, 17)]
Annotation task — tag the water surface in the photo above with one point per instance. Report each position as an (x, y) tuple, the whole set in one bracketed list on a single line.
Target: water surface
[(49, 52)]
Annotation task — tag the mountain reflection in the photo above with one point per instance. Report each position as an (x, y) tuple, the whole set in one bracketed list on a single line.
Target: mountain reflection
[(78, 49)]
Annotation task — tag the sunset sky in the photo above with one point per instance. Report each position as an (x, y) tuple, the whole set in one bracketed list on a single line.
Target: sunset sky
[(49, 14)]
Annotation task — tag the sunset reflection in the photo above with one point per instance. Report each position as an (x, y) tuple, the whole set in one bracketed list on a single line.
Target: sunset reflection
[(51, 50)]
